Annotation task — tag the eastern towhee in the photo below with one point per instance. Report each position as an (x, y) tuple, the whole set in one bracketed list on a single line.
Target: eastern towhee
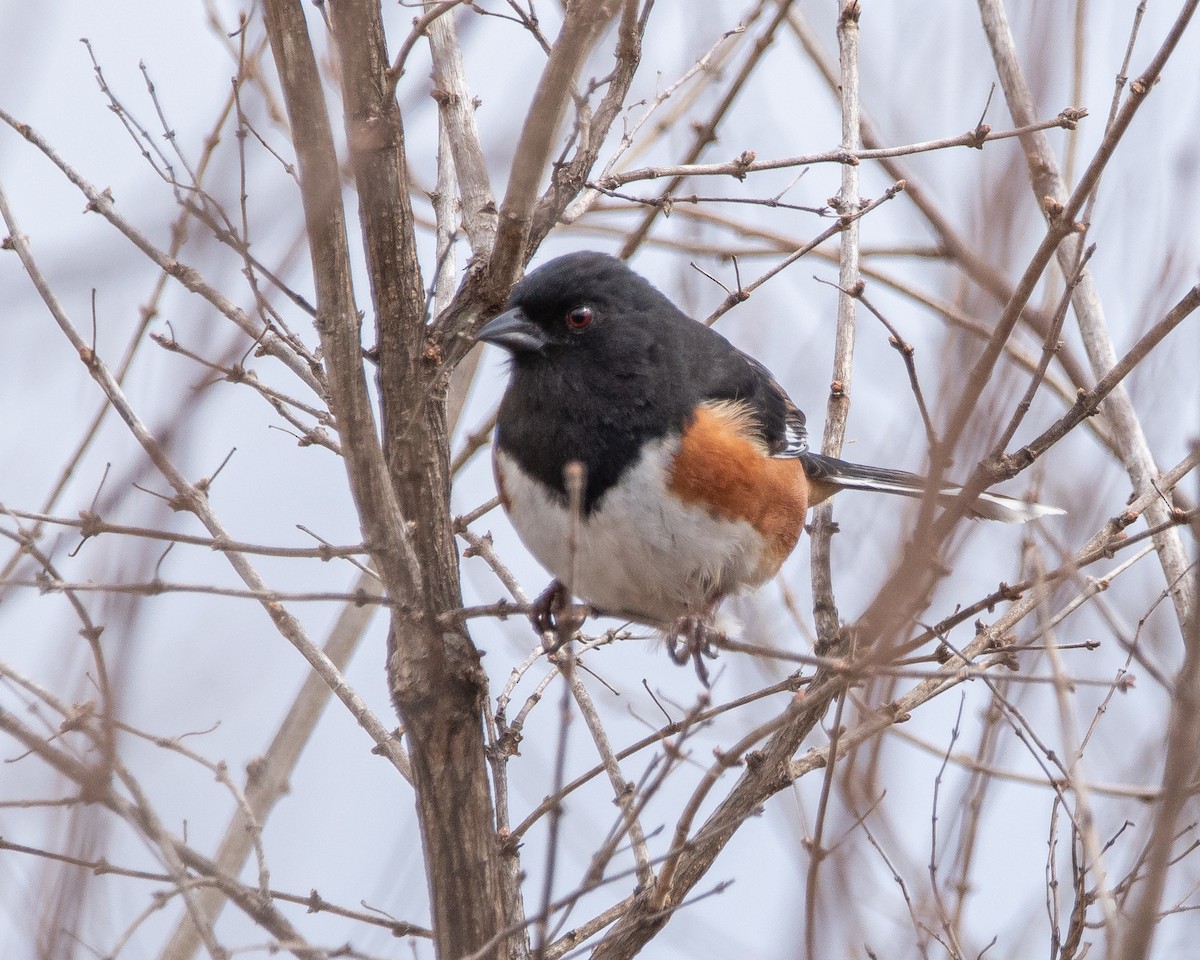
[(696, 469)]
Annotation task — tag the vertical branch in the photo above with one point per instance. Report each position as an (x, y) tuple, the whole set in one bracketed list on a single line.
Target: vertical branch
[(1078, 77), (446, 200), (825, 612), (337, 320), (433, 670), (434, 675), (1084, 816), (456, 111), (447, 204), (1179, 774)]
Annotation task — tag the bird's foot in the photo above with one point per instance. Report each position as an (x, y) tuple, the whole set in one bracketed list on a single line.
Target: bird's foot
[(546, 608), (693, 637), (552, 612)]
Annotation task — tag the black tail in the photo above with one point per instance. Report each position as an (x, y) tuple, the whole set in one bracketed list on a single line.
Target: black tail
[(854, 476)]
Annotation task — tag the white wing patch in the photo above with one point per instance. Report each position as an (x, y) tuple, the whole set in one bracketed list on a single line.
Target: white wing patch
[(795, 435)]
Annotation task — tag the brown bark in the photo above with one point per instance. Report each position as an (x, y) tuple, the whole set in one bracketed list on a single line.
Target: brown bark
[(433, 670)]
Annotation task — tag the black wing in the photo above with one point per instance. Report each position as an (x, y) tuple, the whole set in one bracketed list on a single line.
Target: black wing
[(728, 374), (794, 441)]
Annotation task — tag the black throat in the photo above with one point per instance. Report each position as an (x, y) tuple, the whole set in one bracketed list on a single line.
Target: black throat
[(565, 407)]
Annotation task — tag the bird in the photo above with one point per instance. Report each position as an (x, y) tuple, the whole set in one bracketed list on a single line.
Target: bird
[(696, 473)]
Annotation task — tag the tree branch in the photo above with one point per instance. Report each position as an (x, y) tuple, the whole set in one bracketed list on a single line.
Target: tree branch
[(1047, 181)]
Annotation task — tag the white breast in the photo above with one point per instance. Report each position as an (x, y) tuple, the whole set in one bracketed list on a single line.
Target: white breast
[(640, 551)]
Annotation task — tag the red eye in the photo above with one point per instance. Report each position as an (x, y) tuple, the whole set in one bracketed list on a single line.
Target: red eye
[(578, 318)]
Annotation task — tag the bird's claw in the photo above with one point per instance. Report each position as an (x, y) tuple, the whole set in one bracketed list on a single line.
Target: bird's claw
[(693, 637), (546, 609), (553, 613)]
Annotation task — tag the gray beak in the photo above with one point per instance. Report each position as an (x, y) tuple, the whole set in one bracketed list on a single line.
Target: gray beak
[(515, 332)]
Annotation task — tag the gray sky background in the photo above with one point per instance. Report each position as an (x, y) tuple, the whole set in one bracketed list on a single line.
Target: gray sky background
[(189, 662)]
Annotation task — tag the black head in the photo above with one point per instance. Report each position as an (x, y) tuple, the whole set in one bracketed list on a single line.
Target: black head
[(583, 303), (599, 367)]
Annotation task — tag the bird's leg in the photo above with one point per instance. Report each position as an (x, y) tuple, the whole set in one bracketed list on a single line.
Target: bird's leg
[(694, 637)]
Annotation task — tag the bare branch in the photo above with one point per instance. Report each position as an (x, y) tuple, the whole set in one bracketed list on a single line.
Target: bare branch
[(101, 202), (1048, 182), (190, 497)]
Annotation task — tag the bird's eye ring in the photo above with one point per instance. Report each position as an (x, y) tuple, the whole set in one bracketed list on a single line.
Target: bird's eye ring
[(579, 318)]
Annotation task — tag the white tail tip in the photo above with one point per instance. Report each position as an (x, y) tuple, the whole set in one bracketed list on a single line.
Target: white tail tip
[(994, 506)]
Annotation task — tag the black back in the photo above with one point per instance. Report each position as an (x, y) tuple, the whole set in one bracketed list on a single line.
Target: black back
[(635, 374)]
